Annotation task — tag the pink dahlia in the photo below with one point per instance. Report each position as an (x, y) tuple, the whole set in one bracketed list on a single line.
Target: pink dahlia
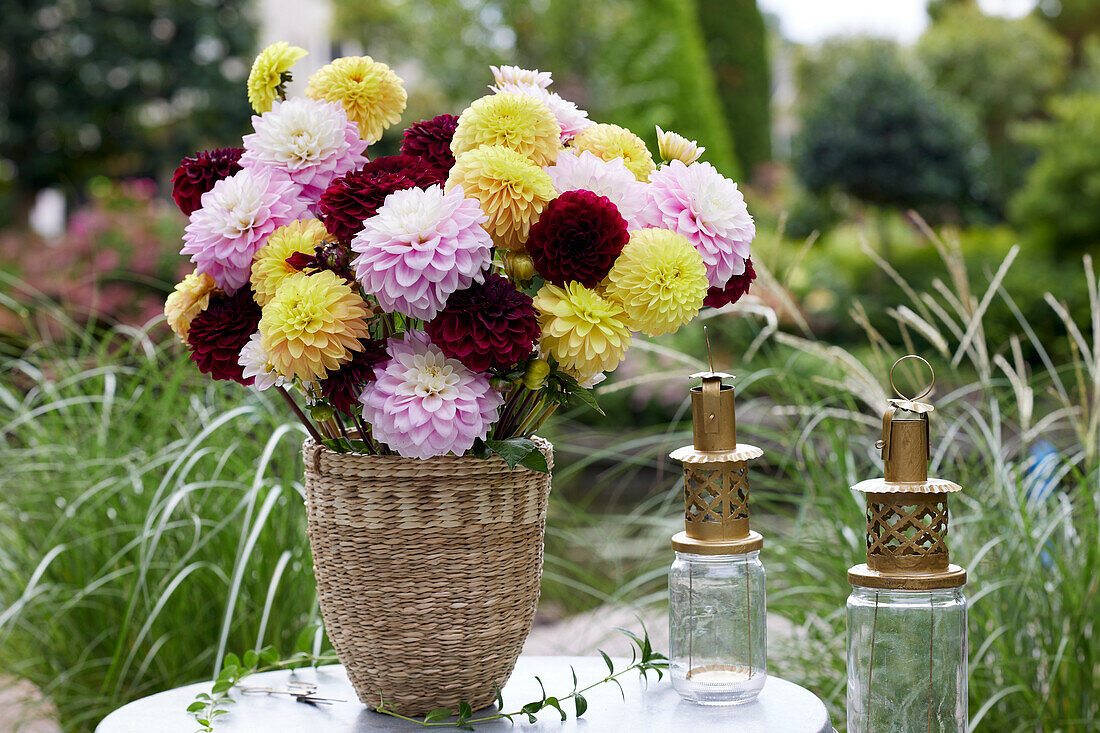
[(424, 404), (610, 178), (236, 217), (312, 141), (699, 203), (421, 246)]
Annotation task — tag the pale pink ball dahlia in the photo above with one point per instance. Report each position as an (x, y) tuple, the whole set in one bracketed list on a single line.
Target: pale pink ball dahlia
[(581, 170), (236, 217), (421, 246), (424, 404), (699, 203), (310, 140)]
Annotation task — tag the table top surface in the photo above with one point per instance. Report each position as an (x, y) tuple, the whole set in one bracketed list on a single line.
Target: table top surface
[(782, 707)]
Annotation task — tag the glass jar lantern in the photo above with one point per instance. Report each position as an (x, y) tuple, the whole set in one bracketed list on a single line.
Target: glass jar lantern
[(907, 639), (717, 602)]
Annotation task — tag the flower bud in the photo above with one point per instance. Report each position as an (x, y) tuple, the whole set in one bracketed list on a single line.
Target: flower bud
[(673, 146), (535, 376), (519, 266), (321, 413)]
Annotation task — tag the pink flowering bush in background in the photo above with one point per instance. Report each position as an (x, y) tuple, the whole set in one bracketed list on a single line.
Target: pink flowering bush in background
[(114, 263)]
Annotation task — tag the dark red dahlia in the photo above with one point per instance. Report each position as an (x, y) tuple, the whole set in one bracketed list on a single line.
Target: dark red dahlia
[(354, 197), (737, 286), (577, 237), (342, 387), (198, 174), (489, 324), (218, 334), (431, 140)]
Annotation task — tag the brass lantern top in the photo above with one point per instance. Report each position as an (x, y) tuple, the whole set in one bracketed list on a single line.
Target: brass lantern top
[(906, 509), (716, 487)]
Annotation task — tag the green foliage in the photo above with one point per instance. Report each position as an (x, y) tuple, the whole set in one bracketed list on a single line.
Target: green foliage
[(882, 136), (644, 660), (120, 90), (1057, 204), (821, 68), (1001, 70), (1074, 19), (737, 46), (636, 63)]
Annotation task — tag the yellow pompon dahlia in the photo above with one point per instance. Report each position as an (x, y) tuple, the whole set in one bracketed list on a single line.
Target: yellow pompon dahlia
[(511, 189), (189, 299), (312, 325), (270, 266), (270, 73), (608, 142), (584, 331), (517, 121), (660, 281), (373, 96)]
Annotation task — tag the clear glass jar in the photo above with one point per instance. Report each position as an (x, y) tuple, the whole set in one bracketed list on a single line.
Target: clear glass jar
[(906, 661), (717, 620)]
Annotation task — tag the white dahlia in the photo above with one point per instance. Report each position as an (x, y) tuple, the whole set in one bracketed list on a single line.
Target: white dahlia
[(256, 363), (310, 140)]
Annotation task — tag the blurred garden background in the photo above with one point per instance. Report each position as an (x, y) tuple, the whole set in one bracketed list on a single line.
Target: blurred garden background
[(924, 179)]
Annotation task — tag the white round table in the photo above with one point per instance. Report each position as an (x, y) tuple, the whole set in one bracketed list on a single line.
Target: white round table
[(783, 707)]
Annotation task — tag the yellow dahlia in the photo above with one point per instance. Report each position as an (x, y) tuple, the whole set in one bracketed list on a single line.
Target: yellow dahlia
[(189, 299), (608, 142), (517, 121), (511, 189), (584, 331), (372, 95), (270, 266), (312, 325), (660, 281), (270, 73)]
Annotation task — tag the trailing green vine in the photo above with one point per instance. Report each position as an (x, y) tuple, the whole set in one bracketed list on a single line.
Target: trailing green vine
[(209, 706)]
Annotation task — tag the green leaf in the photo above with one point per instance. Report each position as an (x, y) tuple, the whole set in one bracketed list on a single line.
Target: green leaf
[(269, 655), (251, 659), (553, 702), (607, 659), (437, 715), (582, 704), (621, 690), (304, 642), (532, 707), (532, 719), (196, 706), (464, 710), (519, 451), (500, 697), (574, 677), (464, 726), (203, 722), (586, 396), (222, 686), (542, 689)]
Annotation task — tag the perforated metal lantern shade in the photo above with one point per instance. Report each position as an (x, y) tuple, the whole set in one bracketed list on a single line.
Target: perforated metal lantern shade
[(907, 515), (716, 483)]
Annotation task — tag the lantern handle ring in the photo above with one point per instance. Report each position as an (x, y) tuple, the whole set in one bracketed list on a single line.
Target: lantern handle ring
[(923, 394)]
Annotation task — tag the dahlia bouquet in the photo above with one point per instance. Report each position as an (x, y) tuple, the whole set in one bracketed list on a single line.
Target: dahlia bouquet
[(447, 299)]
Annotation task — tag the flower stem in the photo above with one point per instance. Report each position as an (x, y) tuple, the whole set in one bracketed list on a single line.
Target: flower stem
[(301, 416)]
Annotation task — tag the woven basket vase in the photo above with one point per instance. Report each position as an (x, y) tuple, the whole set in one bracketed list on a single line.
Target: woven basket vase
[(427, 571)]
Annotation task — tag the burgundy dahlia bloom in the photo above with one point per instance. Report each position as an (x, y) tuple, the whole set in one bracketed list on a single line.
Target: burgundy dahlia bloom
[(431, 140), (354, 197), (343, 387), (218, 334), (577, 237), (733, 290), (198, 174), (489, 324)]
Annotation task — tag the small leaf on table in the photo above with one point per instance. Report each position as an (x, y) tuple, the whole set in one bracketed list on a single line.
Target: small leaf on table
[(582, 704), (437, 715)]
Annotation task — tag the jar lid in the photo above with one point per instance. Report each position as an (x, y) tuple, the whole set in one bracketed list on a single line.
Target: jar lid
[(953, 577), (749, 543)]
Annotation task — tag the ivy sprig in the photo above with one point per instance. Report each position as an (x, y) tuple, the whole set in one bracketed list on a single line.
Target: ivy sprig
[(643, 659)]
